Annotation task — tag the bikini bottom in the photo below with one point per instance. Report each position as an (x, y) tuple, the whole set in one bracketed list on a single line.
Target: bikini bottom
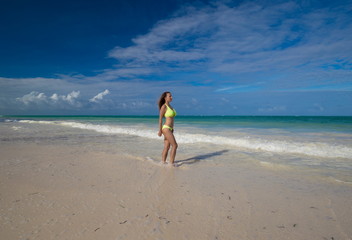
[(166, 126)]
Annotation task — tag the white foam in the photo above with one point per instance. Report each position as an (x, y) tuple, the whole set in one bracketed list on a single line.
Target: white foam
[(341, 181), (16, 128), (317, 149), (112, 129), (274, 166), (41, 122)]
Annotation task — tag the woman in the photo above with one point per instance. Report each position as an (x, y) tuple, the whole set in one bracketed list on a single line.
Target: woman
[(165, 110)]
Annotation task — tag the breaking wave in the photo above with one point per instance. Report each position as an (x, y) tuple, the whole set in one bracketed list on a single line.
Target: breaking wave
[(317, 149)]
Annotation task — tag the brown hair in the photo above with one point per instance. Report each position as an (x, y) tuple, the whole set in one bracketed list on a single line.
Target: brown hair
[(161, 101)]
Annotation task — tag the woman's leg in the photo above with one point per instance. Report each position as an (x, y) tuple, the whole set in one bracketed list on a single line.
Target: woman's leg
[(169, 136), (165, 150)]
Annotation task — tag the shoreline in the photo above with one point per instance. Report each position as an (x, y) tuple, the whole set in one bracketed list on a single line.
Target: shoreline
[(71, 192)]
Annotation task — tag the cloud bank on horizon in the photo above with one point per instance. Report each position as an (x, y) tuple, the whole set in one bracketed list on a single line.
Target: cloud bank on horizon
[(253, 58)]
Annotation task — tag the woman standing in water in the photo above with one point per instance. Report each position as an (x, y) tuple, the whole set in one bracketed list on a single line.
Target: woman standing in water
[(165, 110)]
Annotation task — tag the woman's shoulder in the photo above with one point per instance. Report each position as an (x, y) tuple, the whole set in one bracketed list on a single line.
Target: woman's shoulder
[(163, 107)]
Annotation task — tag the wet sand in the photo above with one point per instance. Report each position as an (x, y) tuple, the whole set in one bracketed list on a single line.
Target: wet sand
[(56, 191)]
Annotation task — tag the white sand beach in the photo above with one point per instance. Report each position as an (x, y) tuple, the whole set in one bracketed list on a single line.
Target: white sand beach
[(66, 183), (54, 190)]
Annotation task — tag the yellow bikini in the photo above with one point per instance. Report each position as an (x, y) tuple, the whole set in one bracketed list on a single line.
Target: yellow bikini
[(166, 126), (169, 113)]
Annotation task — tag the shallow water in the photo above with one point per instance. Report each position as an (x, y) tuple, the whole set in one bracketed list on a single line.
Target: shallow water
[(320, 146)]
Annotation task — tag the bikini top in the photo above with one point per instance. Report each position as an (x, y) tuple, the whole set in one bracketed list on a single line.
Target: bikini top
[(170, 112)]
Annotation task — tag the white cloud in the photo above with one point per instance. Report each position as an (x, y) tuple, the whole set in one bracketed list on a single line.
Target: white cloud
[(242, 39), (56, 99), (133, 105), (70, 98), (272, 109), (33, 97), (99, 96), (165, 43), (318, 107), (279, 45)]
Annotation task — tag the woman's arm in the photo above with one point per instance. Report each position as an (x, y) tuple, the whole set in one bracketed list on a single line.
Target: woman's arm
[(161, 115)]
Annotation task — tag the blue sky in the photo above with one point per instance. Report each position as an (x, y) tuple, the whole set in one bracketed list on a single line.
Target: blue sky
[(216, 57)]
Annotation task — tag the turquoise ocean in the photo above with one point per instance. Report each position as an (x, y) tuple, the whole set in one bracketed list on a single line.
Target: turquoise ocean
[(313, 145)]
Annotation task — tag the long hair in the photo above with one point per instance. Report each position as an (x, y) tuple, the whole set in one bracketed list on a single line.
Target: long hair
[(161, 101)]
